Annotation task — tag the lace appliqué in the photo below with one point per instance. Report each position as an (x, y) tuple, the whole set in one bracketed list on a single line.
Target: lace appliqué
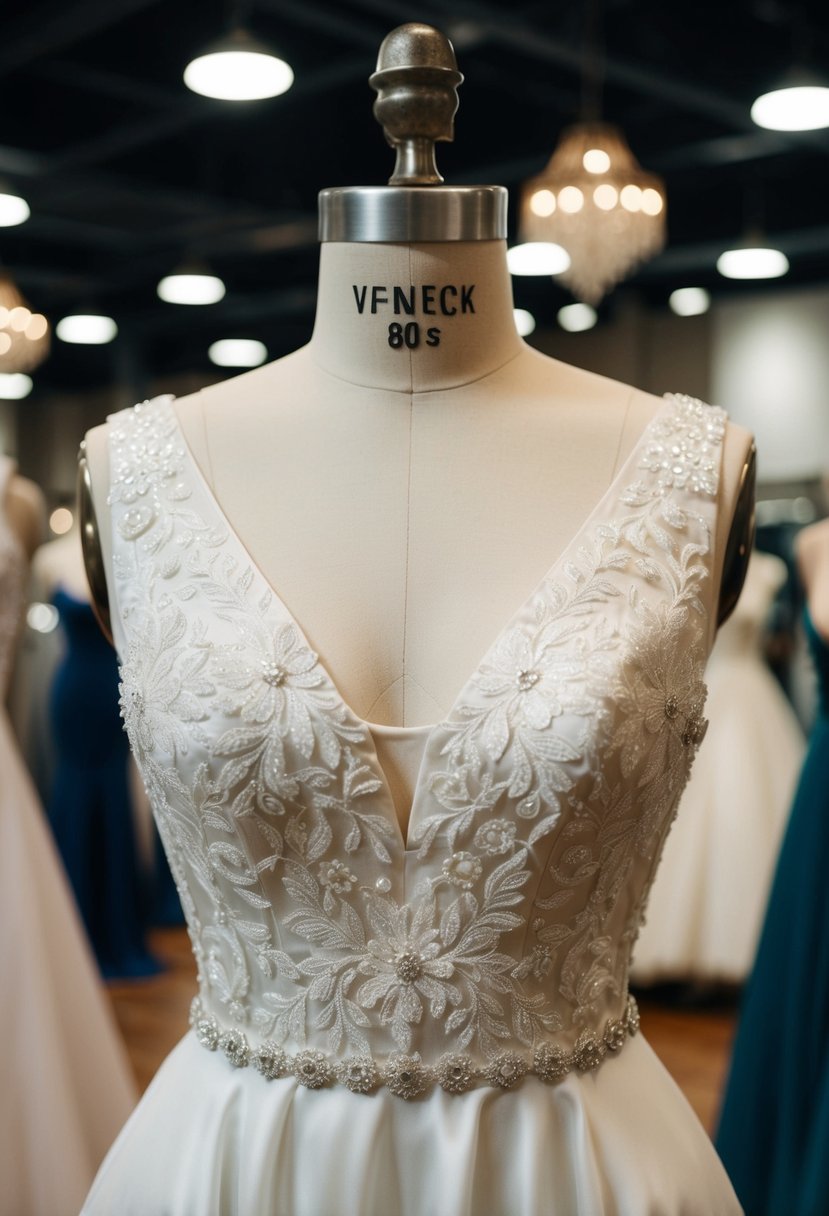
[(533, 837)]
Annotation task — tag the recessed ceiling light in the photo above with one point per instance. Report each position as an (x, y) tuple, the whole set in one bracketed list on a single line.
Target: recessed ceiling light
[(86, 329), (689, 301), (238, 68), (13, 210), (537, 257), (191, 288), (237, 352), (796, 108), (577, 317), (760, 262), (524, 321)]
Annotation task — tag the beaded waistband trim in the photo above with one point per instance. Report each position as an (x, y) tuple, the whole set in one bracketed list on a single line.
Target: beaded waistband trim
[(407, 1076)]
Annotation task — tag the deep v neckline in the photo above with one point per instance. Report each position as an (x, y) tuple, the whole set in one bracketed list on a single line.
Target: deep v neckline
[(430, 730)]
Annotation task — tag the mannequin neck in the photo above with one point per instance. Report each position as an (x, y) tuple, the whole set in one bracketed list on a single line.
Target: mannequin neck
[(414, 318)]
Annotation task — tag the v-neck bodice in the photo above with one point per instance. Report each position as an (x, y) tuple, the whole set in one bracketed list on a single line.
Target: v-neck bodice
[(502, 919)]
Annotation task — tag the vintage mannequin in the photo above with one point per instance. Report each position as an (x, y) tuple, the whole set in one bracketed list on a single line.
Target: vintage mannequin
[(404, 502)]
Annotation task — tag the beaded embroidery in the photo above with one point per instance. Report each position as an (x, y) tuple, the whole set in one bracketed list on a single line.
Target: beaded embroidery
[(407, 1076), (494, 941)]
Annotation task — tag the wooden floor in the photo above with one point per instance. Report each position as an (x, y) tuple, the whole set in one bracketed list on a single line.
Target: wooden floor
[(693, 1043)]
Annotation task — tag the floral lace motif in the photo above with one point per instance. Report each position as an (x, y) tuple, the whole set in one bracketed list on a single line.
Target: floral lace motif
[(498, 936)]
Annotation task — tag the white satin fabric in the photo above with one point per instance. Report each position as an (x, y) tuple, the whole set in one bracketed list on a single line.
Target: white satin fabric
[(706, 906), (208, 1141)]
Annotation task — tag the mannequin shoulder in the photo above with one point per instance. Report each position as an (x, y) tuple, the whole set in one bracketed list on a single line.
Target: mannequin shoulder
[(26, 511)]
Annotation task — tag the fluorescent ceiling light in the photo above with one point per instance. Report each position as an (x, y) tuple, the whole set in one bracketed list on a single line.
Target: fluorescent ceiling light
[(86, 329), (237, 352), (689, 301), (14, 386), (238, 69), (13, 210), (524, 321), (577, 317), (191, 289), (757, 263), (537, 257), (799, 108)]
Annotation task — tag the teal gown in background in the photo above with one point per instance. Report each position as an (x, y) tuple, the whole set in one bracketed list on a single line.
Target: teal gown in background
[(774, 1130)]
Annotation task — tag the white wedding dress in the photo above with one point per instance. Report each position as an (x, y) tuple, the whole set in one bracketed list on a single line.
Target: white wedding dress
[(706, 909), (429, 1020), (65, 1083)]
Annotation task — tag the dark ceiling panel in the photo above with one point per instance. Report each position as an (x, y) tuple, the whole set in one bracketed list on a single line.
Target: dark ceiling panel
[(128, 172)]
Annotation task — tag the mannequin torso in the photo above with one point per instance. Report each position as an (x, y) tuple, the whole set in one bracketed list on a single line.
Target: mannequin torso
[(404, 502)]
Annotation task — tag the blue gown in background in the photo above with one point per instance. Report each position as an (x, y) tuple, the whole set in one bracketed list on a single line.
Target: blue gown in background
[(774, 1131), (90, 808)]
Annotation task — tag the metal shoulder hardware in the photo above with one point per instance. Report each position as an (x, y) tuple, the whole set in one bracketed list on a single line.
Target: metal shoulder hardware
[(740, 540), (93, 558)]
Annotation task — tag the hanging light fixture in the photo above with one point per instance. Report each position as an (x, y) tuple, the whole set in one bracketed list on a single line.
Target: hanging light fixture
[(795, 105), (14, 210), (237, 352), (595, 201), (191, 283), (576, 318), (24, 335), (86, 329), (524, 321), (755, 260), (238, 68), (689, 301), (593, 198)]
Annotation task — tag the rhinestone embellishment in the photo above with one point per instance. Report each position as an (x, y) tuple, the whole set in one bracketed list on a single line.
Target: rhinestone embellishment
[(527, 678), (408, 966), (360, 1074), (671, 707), (312, 1069), (407, 1076), (274, 674)]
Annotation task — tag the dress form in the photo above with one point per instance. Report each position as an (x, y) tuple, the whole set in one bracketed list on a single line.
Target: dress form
[(422, 492)]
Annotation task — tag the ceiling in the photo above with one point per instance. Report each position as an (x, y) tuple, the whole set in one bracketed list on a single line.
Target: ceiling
[(127, 172)]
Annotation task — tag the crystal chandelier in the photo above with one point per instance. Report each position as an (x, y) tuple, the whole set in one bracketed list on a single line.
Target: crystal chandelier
[(24, 335), (596, 201)]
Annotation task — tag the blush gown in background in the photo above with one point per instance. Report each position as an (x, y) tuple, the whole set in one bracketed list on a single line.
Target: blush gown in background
[(65, 1083), (707, 904), (426, 1014), (774, 1130), (90, 808)]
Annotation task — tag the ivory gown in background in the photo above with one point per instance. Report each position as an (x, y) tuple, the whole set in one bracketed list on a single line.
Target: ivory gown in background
[(422, 1014), (65, 1084), (707, 904)]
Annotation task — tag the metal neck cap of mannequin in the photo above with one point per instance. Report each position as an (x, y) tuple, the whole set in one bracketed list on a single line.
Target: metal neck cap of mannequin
[(416, 82)]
